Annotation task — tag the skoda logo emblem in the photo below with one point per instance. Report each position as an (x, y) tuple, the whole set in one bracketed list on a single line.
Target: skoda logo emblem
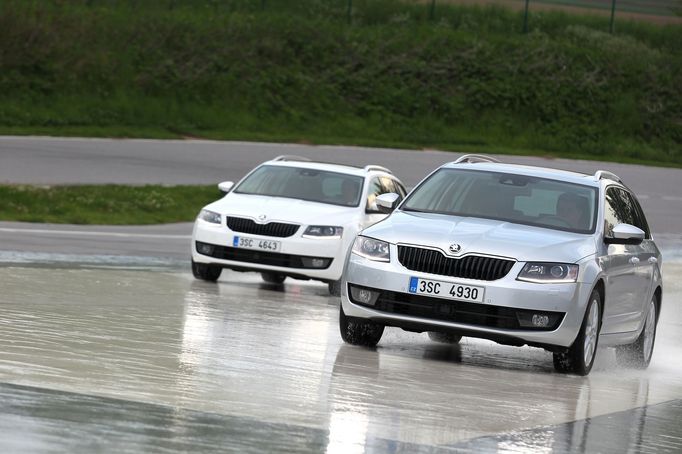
[(262, 217), (455, 248)]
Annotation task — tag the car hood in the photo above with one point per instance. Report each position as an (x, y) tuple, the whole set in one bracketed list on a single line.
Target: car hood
[(280, 209), (483, 236)]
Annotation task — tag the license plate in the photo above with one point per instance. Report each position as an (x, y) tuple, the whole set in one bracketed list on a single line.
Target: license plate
[(450, 290), (244, 242)]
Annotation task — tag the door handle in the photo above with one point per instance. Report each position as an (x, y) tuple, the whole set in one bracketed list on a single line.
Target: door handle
[(634, 260), (653, 260)]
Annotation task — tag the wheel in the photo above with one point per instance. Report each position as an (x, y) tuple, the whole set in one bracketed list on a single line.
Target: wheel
[(335, 288), (359, 332), (206, 272), (273, 278), (638, 354), (444, 338), (579, 357)]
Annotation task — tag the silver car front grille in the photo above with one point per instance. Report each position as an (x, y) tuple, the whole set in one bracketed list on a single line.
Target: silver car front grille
[(469, 267)]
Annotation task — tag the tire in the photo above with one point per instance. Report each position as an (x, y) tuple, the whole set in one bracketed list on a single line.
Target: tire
[(579, 357), (359, 332), (335, 288), (444, 338), (638, 354), (273, 278), (206, 272)]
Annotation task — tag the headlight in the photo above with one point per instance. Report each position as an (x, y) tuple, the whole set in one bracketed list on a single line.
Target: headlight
[(209, 216), (548, 273), (323, 231), (371, 249)]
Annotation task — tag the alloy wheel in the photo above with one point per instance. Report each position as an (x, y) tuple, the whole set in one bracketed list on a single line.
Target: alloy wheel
[(649, 331), (591, 329)]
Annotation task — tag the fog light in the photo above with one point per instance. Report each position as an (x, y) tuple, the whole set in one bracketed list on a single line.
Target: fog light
[(540, 321), (315, 262), (205, 248), (363, 295)]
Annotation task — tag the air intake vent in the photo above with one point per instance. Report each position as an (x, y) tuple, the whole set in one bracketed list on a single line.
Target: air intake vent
[(276, 229), (469, 267)]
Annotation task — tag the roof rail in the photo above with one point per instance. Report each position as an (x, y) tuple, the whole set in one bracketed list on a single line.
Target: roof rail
[(379, 168), (291, 157), (471, 158), (605, 174)]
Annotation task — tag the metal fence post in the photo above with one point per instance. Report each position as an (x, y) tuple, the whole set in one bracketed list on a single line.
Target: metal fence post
[(432, 12), (613, 15), (525, 18), (350, 10)]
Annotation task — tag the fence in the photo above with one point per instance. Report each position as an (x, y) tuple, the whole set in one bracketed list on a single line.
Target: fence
[(664, 8), (660, 11)]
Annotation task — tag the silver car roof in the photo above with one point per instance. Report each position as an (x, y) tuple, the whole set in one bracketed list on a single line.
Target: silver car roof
[(531, 171)]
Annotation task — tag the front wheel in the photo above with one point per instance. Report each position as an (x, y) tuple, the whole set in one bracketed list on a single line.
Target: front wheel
[(206, 272), (359, 332), (444, 338), (579, 357), (272, 278), (638, 354)]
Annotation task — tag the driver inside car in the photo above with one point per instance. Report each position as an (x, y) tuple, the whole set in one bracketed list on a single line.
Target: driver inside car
[(572, 208)]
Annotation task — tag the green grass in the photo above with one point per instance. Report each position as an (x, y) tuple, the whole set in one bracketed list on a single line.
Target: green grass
[(104, 204), (298, 72)]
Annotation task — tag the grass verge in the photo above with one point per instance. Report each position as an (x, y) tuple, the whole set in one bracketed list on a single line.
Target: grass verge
[(104, 204)]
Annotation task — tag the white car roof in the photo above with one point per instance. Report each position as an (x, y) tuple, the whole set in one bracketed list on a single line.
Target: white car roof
[(340, 168)]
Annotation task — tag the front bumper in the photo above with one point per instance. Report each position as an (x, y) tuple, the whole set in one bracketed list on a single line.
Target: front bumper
[(320, 259), (505, 301)]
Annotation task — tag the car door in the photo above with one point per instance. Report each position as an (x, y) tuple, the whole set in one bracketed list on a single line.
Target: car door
[(648, 261), (621, 264)]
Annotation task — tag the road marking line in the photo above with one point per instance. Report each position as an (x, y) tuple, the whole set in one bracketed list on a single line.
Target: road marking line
[(87, 233)]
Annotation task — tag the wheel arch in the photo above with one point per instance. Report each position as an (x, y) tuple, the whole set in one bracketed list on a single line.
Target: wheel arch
[(658, 295), (600, 287)]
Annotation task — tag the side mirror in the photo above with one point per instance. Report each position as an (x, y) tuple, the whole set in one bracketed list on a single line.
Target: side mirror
[(386, 203), (625, 234), (225, 186)]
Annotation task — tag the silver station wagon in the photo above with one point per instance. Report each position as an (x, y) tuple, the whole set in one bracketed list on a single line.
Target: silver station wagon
[(516, 254)]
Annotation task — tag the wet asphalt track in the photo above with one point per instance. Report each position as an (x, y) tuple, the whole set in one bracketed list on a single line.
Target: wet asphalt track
[(107, 344), (120, 358)]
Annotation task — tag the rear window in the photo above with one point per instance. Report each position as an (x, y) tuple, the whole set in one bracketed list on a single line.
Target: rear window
[(507, 197)]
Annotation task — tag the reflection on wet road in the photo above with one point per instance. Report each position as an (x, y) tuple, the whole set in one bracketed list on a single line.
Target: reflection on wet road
[(135, 360)]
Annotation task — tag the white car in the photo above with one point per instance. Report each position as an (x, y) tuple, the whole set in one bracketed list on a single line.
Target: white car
[(289, 217)]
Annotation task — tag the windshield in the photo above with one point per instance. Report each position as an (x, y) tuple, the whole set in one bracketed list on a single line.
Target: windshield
[(304, 184), (507, 197)]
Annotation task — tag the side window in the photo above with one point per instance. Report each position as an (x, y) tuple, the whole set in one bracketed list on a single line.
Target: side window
[(390, 185), (399, 189), (618, 209), (640, 219), (375, 189)]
